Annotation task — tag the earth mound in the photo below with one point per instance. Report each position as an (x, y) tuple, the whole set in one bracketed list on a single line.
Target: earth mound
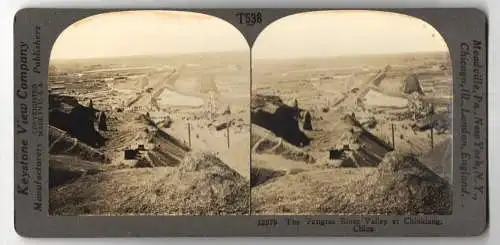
[(259, 176), (406, 186), (440, 159), (411, 84), (400, 185), (61, 172), (201, 185), (167, 150)]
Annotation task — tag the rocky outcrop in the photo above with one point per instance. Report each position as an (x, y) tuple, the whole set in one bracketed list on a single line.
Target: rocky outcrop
[(272, 114), (67, 114)]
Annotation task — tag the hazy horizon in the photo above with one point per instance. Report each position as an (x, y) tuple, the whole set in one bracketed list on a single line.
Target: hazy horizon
[(148, 32), (156, 55), (263, 59), (346, 33), (348, 55), (305, 35)]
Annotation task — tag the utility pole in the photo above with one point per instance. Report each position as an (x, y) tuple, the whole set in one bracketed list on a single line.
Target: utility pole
[(393, 140), (189, 134), (227, 131), (432, 137)]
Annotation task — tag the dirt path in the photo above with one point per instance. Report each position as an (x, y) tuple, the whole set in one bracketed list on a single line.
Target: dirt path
[(237, 156), (206, 139), (349, 99), (76, 161), (157, 84), (278, 163)]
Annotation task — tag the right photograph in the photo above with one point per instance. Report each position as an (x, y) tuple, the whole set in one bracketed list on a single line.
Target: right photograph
[(351, 114)]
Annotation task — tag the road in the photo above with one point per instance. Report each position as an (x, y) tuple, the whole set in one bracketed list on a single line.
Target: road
[(203, 138), (157, 83)]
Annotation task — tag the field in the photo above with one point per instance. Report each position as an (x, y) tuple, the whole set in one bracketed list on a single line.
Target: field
[(158, 132), (361, 108)]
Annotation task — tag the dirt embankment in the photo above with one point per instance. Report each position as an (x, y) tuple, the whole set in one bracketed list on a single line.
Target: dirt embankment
[(399, 185), (265, 142), (201, 185), (162, 177), (440, 159), (61, 143), (76, 139), (73, 140), (66, 169)]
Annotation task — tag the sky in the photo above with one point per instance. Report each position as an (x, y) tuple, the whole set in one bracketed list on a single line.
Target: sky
[(313, 34), (348, 32), (144, 33)]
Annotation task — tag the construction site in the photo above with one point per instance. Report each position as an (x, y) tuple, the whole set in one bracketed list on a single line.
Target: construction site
[(150, 135), (352, 135)]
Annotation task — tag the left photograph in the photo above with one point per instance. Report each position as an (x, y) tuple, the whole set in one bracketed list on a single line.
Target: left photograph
[(149, 115)]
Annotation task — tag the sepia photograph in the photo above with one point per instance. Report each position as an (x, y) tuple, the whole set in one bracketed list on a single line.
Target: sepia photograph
[(351, 115), (149, 115)]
